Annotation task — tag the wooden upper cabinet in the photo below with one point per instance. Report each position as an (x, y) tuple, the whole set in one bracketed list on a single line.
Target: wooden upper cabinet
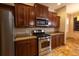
[(55, 20), (24, 15), (19, 15), (41, 10), (31, 17), (50, 16)]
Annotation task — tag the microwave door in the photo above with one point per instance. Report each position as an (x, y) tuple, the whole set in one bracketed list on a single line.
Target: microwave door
[(41, 22)]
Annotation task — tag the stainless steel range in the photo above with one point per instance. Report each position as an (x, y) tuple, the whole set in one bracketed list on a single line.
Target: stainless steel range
[(44, 42)]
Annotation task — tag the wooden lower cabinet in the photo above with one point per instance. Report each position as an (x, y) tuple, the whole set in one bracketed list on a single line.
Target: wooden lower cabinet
[(26, 47), (57, 40), (53, 42), (61, 39)]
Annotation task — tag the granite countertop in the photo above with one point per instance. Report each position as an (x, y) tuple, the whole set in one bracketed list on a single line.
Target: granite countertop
[(25, 37), (58, 33)]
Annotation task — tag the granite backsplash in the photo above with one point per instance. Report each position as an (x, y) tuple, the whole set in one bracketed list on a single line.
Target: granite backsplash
[(28, 31)]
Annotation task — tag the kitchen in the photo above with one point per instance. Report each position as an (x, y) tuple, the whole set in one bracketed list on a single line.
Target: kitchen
[(42, 13), (37, 29)]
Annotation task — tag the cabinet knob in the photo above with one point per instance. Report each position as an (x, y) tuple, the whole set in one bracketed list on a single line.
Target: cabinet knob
[(32, 13)]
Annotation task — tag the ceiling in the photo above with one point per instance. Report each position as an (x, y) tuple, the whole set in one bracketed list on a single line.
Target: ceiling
[(54, 6), (70, 7)]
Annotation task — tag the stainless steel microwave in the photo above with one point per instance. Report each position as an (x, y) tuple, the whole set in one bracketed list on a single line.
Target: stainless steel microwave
[(42, 22)]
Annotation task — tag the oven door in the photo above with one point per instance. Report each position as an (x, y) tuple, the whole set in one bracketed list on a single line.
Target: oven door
[(44, 46)]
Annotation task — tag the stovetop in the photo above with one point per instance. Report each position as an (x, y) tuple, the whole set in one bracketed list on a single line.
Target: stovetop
[(42, 35)]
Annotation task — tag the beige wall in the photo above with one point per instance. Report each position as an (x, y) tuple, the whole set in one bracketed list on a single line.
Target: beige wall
[(71, 32), (72, 8), (62, 13), (63, 28)]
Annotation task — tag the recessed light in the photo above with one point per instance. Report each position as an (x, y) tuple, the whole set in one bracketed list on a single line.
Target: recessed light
[(58, 3)]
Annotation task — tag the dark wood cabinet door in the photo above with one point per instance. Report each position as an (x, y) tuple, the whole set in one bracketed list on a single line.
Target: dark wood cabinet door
[(29, 16), (45, 12), (50, 16), (54, 19), (53, 42), (41, 10), (26, 47), (22, 48), (33, 47), (57, 21), (62, 39), (24, 15), (19, 15), (57, 41), (31, 22)]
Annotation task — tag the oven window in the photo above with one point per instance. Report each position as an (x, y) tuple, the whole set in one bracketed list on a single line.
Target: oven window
[(45, 44)]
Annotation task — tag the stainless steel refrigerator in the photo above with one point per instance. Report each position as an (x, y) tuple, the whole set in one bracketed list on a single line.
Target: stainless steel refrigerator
[(6, 33)]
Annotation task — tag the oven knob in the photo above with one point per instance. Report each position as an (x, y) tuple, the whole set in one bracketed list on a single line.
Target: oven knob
[(39, 38)]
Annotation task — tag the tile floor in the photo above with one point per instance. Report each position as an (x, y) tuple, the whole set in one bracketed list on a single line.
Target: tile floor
[(70, 49)]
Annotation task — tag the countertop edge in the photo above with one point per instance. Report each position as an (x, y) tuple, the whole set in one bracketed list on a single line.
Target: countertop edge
[(33, 37)]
